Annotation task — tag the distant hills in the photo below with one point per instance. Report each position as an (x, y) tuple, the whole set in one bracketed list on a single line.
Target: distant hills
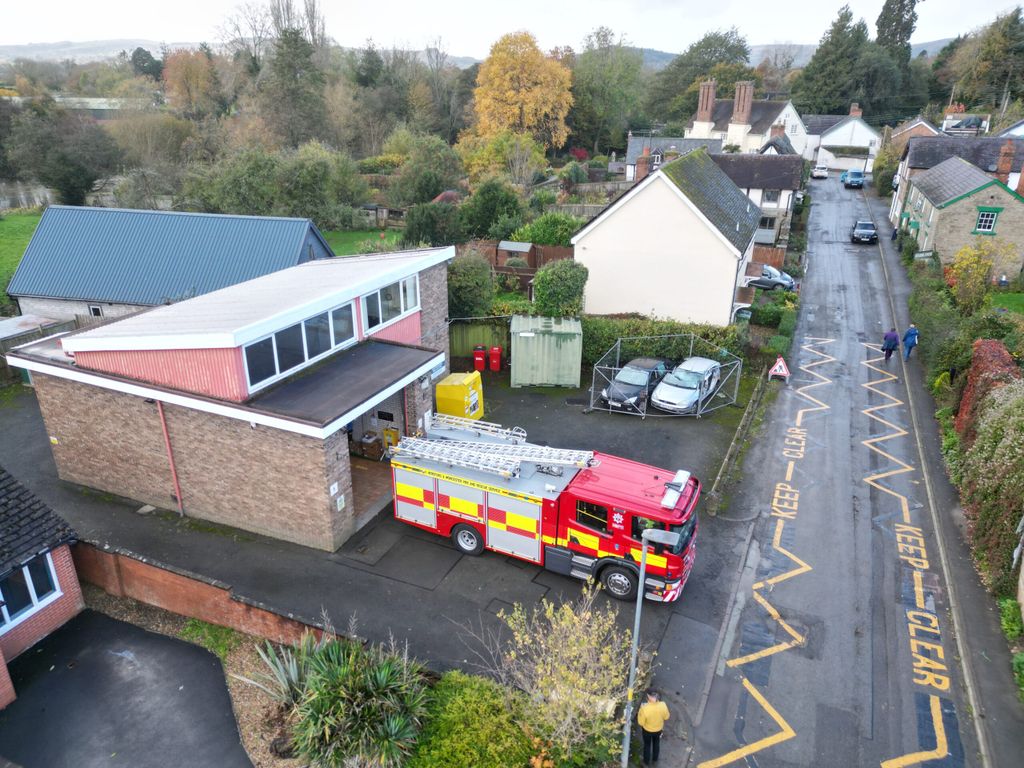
[(96, 50)]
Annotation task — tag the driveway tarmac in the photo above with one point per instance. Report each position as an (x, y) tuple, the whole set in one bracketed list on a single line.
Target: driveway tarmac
[(100, 692)]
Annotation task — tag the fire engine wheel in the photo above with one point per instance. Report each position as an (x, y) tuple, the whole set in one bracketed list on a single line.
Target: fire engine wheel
[(467, 540), (620, 582)]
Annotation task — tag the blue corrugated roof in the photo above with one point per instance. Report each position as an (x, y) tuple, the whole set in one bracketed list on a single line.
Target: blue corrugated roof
[(152, 257)]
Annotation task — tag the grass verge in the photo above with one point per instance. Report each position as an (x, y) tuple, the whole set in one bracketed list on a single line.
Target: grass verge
[(15, 231), (346, 243)]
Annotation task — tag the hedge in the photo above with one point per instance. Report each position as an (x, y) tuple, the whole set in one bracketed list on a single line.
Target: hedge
[(601, 332), (991, 368)]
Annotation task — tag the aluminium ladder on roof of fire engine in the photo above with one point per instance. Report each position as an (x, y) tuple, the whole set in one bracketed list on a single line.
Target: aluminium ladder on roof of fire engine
[(496, 458), (489, 428)]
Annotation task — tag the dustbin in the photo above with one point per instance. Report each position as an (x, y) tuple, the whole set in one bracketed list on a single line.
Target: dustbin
[(495, 358), (479, 357)]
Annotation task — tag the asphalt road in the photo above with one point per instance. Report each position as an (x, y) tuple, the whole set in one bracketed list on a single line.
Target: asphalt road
[(839, 648)]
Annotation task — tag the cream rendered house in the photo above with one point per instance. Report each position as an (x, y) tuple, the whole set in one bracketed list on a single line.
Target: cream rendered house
[(744, 123), (676, 245)]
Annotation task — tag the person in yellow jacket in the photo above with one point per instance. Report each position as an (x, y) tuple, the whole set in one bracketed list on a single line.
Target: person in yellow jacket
[(652, 717)]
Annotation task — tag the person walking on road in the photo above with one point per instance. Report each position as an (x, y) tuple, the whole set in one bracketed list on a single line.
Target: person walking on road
[(890, 343), (910, 339), (652, 717)]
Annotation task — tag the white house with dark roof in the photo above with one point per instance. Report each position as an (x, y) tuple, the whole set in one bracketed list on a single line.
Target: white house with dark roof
[(110, 262), (743, 121), (242, 406), (676, 245), (842, 142), (771, 182)]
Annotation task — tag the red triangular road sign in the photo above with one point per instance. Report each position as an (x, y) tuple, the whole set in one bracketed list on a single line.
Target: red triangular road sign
[(779, 369)]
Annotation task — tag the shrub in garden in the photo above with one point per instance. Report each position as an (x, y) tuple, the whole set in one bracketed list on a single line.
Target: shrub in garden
[(287, 668), (549, 229), (433, 223), (1010, 619), (572, 174), (558, 288), (768, 314), (779, 345), (364, 703), (600, 333), (993, 486), (541, 199), (381, 164), (489, 202), (469, 722), (470, 286), (504, 226), (787, 323)]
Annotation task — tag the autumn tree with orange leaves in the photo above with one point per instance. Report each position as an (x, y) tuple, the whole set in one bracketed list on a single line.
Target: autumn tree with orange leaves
[(519, 89), (190, 83)]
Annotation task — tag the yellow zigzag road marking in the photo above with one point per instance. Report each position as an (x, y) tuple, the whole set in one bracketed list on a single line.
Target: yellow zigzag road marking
[(872, 443), (935, 706), (941, 745), (796, 639), (785, 733)]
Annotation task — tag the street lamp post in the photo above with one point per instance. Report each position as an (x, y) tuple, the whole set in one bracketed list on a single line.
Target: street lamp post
[(649, 536)]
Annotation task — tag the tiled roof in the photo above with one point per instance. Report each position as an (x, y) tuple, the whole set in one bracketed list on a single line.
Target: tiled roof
[(27, 526), (635, 145), (781, 144), (818, 124), (708, 187), (155, 257), (763, 114), (950, 179), (908, 124), (762, 171), (981, 151)]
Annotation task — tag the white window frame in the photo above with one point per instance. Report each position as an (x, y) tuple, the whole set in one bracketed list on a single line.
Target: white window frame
[(278, 374), (992, 225), (37, 604), (95, 310), (776, 201), (405, 311)]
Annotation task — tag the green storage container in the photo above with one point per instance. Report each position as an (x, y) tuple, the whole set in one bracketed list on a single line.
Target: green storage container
[(546, 351)]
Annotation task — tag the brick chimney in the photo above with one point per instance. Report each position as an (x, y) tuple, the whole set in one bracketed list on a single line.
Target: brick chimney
[(743, 103), (643, 165), (778, 131), (1005, 161), (706, 102), (855, 110)]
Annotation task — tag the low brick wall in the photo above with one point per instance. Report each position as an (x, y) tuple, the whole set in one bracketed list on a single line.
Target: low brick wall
[(6, 686), (127, 575)]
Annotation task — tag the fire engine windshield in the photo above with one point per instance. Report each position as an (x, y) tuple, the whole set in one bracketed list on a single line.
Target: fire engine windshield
[(685, 531)]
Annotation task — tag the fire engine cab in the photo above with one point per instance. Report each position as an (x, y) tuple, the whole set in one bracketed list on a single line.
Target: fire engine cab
[(578, 513)]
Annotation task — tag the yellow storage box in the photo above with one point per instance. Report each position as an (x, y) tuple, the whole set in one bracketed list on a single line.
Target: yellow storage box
[(461, 394)]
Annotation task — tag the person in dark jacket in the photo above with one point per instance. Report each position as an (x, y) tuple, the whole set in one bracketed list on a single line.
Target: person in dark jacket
[(890, 343), (910, 339)]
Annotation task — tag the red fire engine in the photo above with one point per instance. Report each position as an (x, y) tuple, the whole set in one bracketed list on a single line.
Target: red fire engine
[(578, 513)]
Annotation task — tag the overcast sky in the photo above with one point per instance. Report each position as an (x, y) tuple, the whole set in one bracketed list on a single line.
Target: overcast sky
[(469, 27)]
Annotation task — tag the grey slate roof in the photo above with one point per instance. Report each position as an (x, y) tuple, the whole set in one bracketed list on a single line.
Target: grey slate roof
[(153, 257), (762, 171), (763, 114), (708, 187), (781, 144), (981, 151), (635, 145), (950, 179), (817, 124), (27, 526)]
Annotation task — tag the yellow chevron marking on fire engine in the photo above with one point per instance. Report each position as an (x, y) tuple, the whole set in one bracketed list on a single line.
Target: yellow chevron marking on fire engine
[(822, 380), (657, 561), (901, 467), (586, 540), (796, 638), (522, 522), (941, 745), (785, 733)]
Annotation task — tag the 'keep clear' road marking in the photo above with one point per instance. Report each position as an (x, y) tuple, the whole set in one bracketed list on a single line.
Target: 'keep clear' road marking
[(785, 505), (928, 670)]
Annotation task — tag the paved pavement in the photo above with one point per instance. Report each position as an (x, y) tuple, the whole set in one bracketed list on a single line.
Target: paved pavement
[(841, 646), (99, 692)]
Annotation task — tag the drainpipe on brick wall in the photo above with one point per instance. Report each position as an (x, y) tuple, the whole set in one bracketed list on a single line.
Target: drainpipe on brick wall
[(170, 457)]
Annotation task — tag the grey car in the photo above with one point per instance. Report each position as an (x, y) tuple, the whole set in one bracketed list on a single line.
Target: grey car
[(690, 383), (772, 278)]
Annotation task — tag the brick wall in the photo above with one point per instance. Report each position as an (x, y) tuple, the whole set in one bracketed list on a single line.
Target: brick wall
[(64, 608), (183, 593), (434, 309), (259, 479), (956, 223), (7, 694), (418, 400)]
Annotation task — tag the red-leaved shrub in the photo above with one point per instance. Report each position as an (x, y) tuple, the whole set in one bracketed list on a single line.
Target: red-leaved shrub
[(991, 368)]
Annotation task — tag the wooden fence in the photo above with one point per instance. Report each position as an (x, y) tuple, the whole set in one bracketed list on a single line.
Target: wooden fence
[(463, 335), (766, 254), (536, 258), (581, 210), (24, 338)]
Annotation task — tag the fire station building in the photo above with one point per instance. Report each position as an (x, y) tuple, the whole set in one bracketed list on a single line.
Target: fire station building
[(266, 406)]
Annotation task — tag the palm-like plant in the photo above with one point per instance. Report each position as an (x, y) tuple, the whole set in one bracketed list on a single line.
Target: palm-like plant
[(360, 703)]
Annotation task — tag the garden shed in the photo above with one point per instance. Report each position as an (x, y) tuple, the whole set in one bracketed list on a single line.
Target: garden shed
[(546, 351)]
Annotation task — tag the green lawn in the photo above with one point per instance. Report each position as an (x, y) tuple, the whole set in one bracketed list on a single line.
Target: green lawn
[(1011, 301), (347, 243), (15, 231)]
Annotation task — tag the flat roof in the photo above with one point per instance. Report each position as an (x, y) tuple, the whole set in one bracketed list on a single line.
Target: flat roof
[(343, 382), (241, 313)]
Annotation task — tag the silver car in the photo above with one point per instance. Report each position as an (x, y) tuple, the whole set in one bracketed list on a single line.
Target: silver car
[(689, 384)]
